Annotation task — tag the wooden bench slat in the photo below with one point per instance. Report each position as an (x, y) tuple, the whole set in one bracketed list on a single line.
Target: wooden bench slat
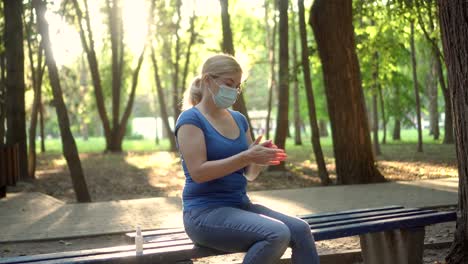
[(311, 221), (324, 216), (157, 232), (152, 256), (155, 239), (390, 207), (329, 219), (92, 252), (182, 235), (367, 219), (383, 225)]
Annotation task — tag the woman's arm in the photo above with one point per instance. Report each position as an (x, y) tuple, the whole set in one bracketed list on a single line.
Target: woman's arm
[(193, 149), (253, 170)]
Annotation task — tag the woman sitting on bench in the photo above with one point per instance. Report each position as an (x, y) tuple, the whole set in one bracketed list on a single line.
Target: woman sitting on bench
[(218, 154)]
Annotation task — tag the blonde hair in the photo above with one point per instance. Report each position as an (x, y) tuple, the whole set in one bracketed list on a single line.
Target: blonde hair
[(216, 65)]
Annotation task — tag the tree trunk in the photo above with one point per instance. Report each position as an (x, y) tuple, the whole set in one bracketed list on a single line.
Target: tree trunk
[(295, 73), (93, 66), (271, 43), (122, 124), (437, 55), (315, 133), (84, 86), (162, 102), (282, 121), (193, 38), (448, 123), (375, 109), (396, 105), (323, 128), (454, 26), (384, 118), (375, 124), (228, 47), (15, 86), (432, 92), (175, 77), (37, 71), (156, 132), (41, 122), (117, 47), (397, 129), (2, 96), (416, 88), (70, 150), (131, 99), (334, 33), (113, 134)]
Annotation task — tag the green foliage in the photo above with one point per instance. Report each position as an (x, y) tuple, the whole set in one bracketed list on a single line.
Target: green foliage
[(382, 40), (381, 27)]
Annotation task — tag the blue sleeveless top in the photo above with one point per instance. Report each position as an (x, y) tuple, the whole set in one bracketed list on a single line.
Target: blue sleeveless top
[(229, 190)]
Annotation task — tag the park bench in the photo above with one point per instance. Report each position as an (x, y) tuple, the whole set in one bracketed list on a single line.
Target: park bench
[(391, 234), (9, 167)]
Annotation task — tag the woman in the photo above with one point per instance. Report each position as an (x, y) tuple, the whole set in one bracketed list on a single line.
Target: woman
[(218, 154)]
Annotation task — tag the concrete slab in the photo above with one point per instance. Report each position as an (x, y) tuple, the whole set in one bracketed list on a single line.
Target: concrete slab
[(427, 193), (78, 220), (34, 216)]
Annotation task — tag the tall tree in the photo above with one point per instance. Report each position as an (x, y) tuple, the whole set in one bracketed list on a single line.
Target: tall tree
[(122, 124), (271, 44), (334, 34), (2, 83), (69, 148), (162, 101), (433, 96), (416, 88), (454, 26), (37, 68), (41, 123), (315, 133), (375, 111), (114, 129), (295, 80), (169, 34), (396, 135), (228, 47), (382, 111), (114, 12), (176, 63), (282, 120), (427, 11), (188, 53), (15, 86), (87, 41)]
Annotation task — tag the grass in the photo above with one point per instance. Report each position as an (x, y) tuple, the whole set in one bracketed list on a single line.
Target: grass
[(97, 144)]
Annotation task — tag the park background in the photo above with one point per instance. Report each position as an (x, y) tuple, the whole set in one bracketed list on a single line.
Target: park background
[(95, 122)]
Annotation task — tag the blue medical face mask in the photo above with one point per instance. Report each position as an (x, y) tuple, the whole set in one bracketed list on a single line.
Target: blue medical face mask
[(225, 97)]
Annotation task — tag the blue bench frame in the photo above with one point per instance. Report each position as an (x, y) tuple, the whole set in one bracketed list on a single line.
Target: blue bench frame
[(391, 234)]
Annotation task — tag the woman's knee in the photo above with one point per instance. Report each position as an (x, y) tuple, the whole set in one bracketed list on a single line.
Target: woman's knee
[(300, 228), (281, 235)]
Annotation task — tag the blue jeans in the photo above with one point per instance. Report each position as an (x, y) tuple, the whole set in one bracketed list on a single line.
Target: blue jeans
[(261, 232)]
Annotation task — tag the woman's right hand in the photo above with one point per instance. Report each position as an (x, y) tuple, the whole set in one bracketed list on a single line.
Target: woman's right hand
[(263, 155)]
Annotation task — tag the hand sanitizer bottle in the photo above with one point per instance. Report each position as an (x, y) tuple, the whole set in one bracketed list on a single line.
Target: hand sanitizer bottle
[(139, 242)]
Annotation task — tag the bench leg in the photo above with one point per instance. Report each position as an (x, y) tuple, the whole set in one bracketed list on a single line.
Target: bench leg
[(403, 246)]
